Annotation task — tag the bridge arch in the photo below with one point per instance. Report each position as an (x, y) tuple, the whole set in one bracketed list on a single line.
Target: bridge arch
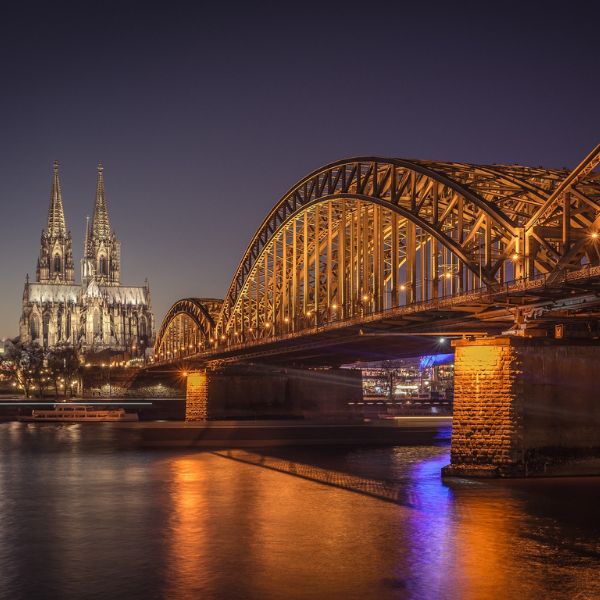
[(187, 328), (370, 233)]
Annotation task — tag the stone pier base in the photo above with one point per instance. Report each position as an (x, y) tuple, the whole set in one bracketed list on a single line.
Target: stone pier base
[(524, 406), (259, 391)]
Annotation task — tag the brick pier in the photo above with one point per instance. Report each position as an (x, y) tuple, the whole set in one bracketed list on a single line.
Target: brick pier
[(275, 392), (524, 405), (196, 396)]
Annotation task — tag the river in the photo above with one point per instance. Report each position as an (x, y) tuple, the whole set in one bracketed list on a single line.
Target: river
[(86, 513)]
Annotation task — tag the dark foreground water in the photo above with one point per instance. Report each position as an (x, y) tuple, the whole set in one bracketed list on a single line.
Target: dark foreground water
[(85, 513)]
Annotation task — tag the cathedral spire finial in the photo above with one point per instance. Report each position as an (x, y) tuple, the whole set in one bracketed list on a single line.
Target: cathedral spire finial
[(100, 220), (56, 214), (86, 242)]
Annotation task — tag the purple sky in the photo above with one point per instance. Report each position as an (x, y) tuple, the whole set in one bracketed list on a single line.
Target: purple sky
[(205, 116)]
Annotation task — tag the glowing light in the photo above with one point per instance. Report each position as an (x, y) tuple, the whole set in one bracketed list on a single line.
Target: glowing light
[(515, 256), (402, 287), (286, 320), (334, 306), (267, 325), (442, 340), (365, 297), (448, 275), (594, 235), (184, 373)]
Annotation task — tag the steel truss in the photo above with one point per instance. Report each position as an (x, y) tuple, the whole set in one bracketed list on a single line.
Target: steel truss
[(187, 328), (364, 235)]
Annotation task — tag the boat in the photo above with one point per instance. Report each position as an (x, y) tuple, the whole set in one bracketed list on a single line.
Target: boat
[(80, 414)]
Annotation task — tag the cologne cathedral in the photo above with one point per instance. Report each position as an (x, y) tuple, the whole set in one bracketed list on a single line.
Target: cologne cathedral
[(98, 314)]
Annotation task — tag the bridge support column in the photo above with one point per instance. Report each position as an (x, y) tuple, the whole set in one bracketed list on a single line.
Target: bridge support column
[(524, 406), (241, 391), (196, 396)]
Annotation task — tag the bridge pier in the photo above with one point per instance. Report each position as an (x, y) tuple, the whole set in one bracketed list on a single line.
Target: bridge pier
[(524, 406), (267, 391), (196, 395)]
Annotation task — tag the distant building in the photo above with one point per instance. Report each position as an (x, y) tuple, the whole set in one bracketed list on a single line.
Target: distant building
[(97, 314)]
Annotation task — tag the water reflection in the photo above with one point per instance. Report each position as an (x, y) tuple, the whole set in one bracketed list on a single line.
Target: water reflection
[(186, 565), (93, 516)]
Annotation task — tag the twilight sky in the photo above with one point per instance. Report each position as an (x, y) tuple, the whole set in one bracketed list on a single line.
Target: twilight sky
[(204, 115)]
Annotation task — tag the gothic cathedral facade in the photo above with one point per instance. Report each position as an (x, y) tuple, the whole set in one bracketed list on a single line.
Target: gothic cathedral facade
[(97, 314)]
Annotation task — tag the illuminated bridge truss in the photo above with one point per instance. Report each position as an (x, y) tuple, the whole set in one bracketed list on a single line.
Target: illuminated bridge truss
[(187, 328), (365, 235)]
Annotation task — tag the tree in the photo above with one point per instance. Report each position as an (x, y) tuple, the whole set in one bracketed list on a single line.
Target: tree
[(63, 368), (28, 361), (8, 368)]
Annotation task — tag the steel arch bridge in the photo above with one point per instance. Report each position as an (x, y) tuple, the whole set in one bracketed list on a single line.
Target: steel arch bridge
[(187, 328), (365, 235)]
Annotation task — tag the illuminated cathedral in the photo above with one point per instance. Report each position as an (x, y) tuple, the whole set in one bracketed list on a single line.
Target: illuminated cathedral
[(97, 314)]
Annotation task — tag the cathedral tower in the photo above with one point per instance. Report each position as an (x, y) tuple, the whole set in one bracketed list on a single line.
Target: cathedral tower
[(102, 251), (55, 264)]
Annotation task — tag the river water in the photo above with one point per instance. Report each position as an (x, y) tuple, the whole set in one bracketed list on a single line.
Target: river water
[(86, 513)]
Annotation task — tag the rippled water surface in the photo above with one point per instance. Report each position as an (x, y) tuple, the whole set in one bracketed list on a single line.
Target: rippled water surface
[(85, 513)]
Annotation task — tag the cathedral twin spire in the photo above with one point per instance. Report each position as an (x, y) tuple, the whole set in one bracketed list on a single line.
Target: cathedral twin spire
[(101, 260), (102, 250), (56, 214), (55, 264), (100, 222)]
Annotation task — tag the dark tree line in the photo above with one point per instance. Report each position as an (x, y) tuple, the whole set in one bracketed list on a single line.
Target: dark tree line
[(39, 372)]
